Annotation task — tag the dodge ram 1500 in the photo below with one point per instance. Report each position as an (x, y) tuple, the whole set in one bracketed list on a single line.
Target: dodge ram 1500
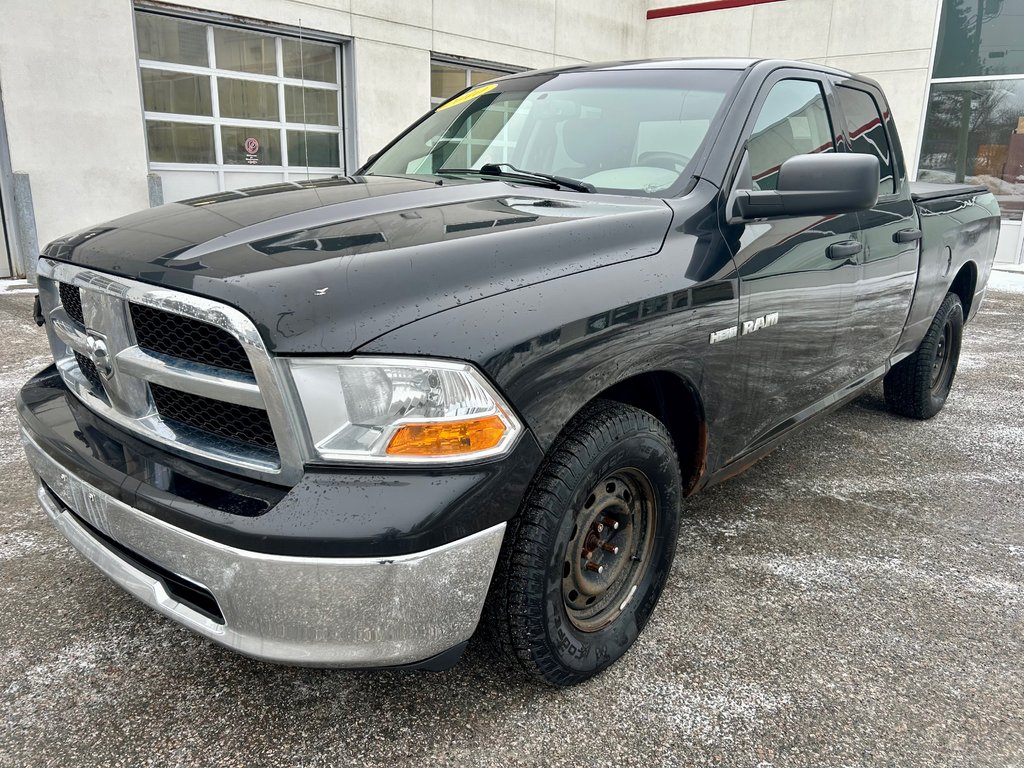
[(335, 422)]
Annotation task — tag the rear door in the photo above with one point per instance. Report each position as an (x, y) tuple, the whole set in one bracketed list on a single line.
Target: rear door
[(796, 291), (889, 263)]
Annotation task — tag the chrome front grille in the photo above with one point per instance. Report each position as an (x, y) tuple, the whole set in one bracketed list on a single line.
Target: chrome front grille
[(89, 370), (187, 338), (227, 421), (71, 300), (188, 373)]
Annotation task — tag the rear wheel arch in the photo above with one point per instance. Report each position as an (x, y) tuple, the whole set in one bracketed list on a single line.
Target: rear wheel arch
[(964, 285), (917, 386)]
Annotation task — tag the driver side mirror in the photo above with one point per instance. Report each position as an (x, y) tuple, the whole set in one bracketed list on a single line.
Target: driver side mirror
[(814, 185)]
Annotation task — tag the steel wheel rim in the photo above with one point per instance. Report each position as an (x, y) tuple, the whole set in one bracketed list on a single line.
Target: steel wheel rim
[(609, 550), (943, 357)]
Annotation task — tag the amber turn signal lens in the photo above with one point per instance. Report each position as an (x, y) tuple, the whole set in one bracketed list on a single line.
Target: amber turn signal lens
[(447, 438)]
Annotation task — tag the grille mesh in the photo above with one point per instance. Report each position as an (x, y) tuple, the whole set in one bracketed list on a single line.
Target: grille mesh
[(89, 369), (71, 298), (179, 336), (238, 423)]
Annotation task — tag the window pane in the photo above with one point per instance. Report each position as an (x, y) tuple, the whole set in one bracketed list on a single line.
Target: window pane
[(477, 76), (249, 145), (316, 62), (248, 99), (321, 107), (793, 121), (177, 92), (245, 51), (964, 49), (446, 81), (974, 133), (179, 142), (323, 149), (867, 134), (162, 38)]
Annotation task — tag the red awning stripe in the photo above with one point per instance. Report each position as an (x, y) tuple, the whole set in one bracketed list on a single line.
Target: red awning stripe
[(708, 5)]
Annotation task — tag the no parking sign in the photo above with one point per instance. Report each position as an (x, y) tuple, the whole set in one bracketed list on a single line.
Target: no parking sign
[(252, 146)]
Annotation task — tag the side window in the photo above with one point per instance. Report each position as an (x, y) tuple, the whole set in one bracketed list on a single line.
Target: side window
[(793, 121), (867, 133)]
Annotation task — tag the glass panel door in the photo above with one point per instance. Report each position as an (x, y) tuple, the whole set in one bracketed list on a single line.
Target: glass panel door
[(227, 107)]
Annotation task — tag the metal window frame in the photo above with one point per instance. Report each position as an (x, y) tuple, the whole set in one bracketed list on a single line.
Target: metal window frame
[(466, 64), (344, 70)]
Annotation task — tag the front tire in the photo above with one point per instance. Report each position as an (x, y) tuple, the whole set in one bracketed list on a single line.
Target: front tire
[(585, 561), (917, 387)]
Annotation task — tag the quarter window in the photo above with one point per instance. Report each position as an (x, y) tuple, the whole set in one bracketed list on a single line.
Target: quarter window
[(867, 133), (793, 121), (227, 107)]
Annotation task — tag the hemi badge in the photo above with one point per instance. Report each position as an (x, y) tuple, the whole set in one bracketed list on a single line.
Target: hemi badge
[(723, 335)]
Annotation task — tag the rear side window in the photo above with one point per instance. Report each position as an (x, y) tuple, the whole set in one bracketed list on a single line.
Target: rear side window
[(867, 133), (793, 121)]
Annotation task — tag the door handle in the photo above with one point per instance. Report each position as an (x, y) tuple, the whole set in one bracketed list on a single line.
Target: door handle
[(844, 250), (907, 236)]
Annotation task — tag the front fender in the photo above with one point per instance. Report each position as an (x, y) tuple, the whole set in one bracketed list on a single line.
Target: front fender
[(552, 348)]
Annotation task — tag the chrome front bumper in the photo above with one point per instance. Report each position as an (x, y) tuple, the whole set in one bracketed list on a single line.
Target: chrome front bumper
[(345, 612)]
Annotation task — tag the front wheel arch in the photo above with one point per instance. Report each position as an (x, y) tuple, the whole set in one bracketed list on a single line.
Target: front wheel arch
[(527, 614), (676, 403)]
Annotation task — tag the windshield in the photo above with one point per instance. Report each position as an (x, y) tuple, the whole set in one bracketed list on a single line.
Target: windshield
[(626, 131)]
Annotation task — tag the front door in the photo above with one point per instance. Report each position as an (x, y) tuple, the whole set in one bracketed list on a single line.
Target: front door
[(796, 274)]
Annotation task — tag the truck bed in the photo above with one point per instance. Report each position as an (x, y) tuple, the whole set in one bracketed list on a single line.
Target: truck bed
[(923, 191)]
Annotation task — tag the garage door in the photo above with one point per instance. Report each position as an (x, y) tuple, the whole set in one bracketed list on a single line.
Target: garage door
[(231, 107)]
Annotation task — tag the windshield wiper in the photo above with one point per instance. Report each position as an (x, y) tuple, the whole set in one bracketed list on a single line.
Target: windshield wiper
[(498, 169)]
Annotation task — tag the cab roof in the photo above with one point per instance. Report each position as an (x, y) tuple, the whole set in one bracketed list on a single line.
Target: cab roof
[(684, 63)]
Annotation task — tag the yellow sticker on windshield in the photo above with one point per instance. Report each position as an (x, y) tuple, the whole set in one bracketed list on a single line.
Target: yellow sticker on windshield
[(468, 96)]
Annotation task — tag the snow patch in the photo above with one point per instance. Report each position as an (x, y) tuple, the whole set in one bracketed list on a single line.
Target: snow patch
[(707, 716), (12, 377), (1012, 282), (76, 660), (810, 573), (973, 362), (21, 543)]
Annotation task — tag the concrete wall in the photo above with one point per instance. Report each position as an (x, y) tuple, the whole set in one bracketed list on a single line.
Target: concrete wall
[(888, 40), (71, 101)]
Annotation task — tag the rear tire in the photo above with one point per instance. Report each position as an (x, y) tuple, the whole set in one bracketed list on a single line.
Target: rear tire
[(584, 563), (917, 387)]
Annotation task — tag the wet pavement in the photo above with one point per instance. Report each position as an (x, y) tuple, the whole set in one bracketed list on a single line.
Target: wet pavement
[(857, 598)]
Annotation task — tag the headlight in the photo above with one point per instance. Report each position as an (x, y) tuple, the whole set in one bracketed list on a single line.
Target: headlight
[(399, 410)]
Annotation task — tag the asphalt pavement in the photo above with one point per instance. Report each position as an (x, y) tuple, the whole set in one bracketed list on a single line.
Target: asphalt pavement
[(855, 599)]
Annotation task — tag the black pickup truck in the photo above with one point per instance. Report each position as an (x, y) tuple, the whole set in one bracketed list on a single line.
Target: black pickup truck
[(336, 422)]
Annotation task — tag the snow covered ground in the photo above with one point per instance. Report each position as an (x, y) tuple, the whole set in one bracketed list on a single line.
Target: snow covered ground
[(1005, 280), (854, 599), (16, 286)]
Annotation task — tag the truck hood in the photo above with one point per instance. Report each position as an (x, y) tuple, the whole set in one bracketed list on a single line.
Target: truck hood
[(326, 266)]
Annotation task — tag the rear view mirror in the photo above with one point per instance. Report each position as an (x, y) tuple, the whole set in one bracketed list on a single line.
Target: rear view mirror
[(815, 185)]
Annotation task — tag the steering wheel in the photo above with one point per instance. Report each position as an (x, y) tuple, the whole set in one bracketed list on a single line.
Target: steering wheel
[(670, 161)]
